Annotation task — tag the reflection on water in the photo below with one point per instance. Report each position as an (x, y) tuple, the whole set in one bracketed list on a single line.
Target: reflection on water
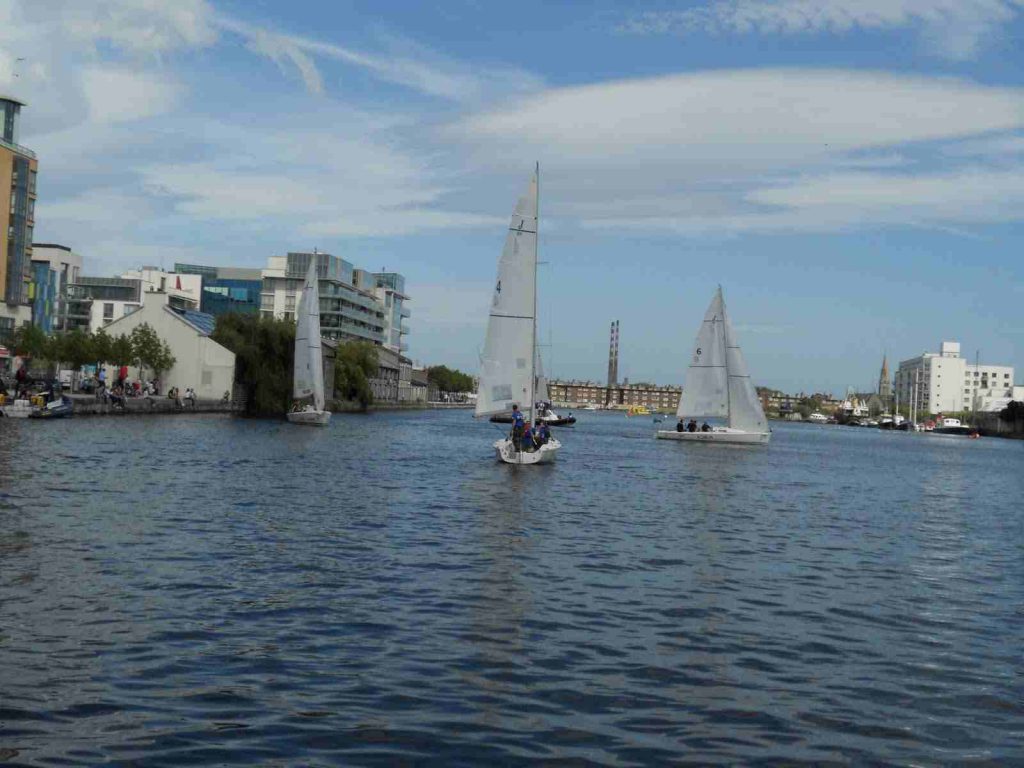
[(215, 591)]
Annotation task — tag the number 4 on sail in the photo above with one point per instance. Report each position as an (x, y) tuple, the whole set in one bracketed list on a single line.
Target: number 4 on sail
[(718, 386)]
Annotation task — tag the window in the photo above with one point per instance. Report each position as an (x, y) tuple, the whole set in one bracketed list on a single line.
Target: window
[(108, 312), (289, 303), (207, 378)]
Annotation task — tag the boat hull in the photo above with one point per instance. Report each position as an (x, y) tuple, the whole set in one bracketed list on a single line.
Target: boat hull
[(506, 452), (719, 435), (567, 421), (310, 418), (60, 409), (19, 409)]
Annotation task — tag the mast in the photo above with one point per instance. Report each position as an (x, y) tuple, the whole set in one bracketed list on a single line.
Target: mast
[(974, 400), (536, 249), (728, 394)]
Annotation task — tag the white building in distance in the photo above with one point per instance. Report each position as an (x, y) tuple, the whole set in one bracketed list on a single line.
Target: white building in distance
[(948, 383), (199, 361)]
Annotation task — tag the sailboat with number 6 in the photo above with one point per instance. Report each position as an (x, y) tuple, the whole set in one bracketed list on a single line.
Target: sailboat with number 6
[(509, 359), (719, 386)]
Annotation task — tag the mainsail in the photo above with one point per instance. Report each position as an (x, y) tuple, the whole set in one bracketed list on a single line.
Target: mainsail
[(745, 411), (309, 377), (706, 392), (506, 364)]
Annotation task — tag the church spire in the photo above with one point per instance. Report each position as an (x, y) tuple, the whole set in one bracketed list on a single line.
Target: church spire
[(884, 384)]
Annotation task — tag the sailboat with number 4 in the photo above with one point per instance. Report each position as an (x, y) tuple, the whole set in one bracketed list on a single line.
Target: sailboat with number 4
[(508, 362), (719, 386)]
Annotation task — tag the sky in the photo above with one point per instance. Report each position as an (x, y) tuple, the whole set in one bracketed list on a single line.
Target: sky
[(851, 173)]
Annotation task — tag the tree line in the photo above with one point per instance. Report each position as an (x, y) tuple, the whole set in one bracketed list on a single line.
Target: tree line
[(142, 348), (449, 379), (264, 350)]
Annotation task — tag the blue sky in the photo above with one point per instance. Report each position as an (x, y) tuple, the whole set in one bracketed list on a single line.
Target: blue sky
[(851, 173)]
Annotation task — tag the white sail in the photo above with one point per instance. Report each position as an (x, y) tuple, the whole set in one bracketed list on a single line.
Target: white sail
[(309, 376), (706, 390), (745, 411), (541, 386), (506, 364)]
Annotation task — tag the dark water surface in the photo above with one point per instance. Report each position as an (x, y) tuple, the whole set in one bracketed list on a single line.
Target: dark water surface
[(207, 590)]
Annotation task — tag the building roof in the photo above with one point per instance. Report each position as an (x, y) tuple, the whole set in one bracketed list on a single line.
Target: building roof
[(51, 245), (204, 323), (19, 102)]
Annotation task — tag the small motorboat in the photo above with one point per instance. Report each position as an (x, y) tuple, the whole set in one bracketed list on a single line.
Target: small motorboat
[(544, 412), (59, 408), (18, 409)]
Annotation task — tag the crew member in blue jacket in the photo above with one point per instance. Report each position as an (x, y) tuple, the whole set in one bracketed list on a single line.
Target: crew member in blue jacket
[(518, 424)]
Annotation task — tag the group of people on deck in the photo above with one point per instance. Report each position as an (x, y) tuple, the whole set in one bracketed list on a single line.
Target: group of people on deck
[(526, 438), (692, 426)]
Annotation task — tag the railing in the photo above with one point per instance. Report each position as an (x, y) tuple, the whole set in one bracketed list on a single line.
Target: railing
[(17, 148)]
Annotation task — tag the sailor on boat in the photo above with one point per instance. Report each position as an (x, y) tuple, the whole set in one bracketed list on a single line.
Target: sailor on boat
[(518, 424)]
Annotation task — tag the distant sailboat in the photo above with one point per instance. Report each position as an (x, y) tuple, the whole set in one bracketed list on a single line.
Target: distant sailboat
[(550, 417), (719, 386), (308, 380), (508, 365)]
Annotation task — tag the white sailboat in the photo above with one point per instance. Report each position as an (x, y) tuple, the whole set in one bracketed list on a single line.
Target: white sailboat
[(509, 360), (308, 380), (719, 386)]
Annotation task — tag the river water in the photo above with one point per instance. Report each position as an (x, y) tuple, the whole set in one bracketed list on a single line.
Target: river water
[(208, 590)]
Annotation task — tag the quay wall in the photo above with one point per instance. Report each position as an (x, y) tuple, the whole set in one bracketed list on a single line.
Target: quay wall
[(146, 406)]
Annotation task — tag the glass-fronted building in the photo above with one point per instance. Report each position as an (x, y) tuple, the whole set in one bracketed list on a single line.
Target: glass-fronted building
[(43, 293), (347, 312), (226, 289), (18, 168)]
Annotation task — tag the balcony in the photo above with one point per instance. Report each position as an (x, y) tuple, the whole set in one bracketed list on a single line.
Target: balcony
[(406, 312), (404, 330), (24, 151)]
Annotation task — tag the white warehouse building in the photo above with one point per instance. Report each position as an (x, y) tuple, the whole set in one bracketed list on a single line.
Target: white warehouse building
[(947, 383), (199, 361)]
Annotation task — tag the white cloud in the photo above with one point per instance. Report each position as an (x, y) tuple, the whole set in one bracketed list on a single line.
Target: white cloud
[(423, 71), (746, 115), (122, 95), (146, 27), (953, 28)]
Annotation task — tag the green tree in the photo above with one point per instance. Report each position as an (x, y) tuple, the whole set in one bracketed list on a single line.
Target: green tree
[(30, 341), (121, 351), (102, 347), (150, 351), (264, 353), (76, 351), (355, 363), (449, 379)]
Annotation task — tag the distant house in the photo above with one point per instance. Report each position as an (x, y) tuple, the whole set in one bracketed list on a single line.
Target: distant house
[(200, 362)]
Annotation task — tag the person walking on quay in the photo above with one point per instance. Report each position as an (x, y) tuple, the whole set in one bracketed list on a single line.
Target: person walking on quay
[(190, 397)]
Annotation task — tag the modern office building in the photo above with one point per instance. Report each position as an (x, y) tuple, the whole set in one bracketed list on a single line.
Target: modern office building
[(945, 382), (389, 288), (226, 289), (65, 266), (18, 168), (93, 302), (43, 293), (347, 312)]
